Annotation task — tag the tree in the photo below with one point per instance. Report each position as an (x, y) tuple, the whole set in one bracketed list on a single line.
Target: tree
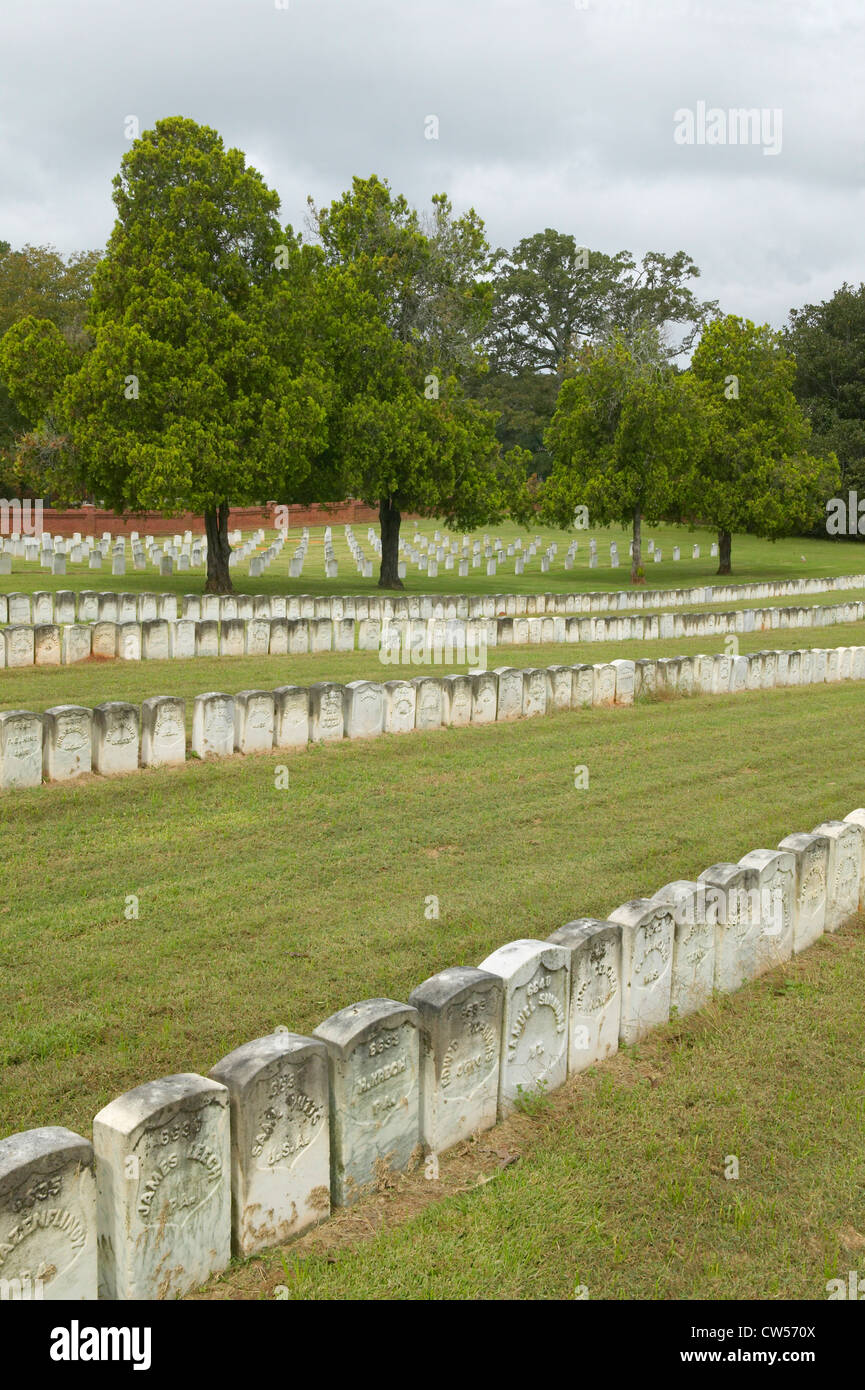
[(402, 308), (552, 296), (828, 343), (187, 401), (37, 284), (622, 438), (754, 472)]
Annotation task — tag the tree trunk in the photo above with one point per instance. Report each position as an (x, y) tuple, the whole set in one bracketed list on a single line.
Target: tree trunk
[(637, 554), (218, 550), (725, 545), (389, 520)]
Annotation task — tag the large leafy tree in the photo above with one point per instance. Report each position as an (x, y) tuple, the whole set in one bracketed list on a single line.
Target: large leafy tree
[(828, 343), (402, 303), (755, 472), (187, 400), (623, 437), (38, 285), (552, 296)]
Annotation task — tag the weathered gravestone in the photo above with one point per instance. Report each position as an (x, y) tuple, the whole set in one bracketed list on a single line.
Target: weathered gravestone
[(47, 1216), (291, 716), (66, 742), (510, 692), (844, 878), (163, 1188), (207, 637), (400, 700), (364, 703), (181, 639), (326, 712), (213, 725), (535, 1022), (163, 732), (776, 887), (373, 1064), (857, 817), (116, 735), (20, 749), (280, 1138), (595, 951), (428, 709), (648, 930), (730, 888), (484, 697), (253, 721), (457, 700), (460, 1011), (811, 856), (693, 976)]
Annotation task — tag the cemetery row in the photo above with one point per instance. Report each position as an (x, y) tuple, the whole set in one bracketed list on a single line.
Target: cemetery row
[(89, 605), (419, 642), (184, 1171), (68, 741)]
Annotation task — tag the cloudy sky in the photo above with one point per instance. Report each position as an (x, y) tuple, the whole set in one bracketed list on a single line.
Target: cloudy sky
[(550, 113)]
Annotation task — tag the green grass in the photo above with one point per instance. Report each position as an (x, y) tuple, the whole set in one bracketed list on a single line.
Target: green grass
[(753, 560), (260, 907), (93, 682)]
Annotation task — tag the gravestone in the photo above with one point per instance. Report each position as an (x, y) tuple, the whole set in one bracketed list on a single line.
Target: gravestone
[(163, 1188), (625, 677), (535, 1022), (811, 859), (20, 646), (280, 1138), (605, 684), (207, 637), (257, 637), (457, 700), (88, 606), (583, 687), (536, 692), (844, 878), (730, 889), (47, 1216), (46, 645), (278, 645), (163, 735), (363, 709), (232, 637), (20, 749), (181, 639), (326, 712), (776, 886), (648, 930), (693, 975), (428, 707), (509, 703), (460, 1012), (78, 642), (595, 954), (400, 701), (373, 1065), (116, 735), (66, 742), (154, 640), (253, 721), (213, 725), (129, 641), (291, 716), (298, 636), (484, 697)]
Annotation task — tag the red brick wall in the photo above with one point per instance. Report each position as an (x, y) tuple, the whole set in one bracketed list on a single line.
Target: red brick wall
[(92, 521)]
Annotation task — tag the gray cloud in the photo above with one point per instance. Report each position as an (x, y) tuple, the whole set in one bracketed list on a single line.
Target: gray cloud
[(551, 113)]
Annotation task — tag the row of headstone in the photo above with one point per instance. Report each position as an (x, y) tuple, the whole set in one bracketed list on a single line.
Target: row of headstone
[(412, 640), (65, 605), (70, 740), (184, 1171)]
